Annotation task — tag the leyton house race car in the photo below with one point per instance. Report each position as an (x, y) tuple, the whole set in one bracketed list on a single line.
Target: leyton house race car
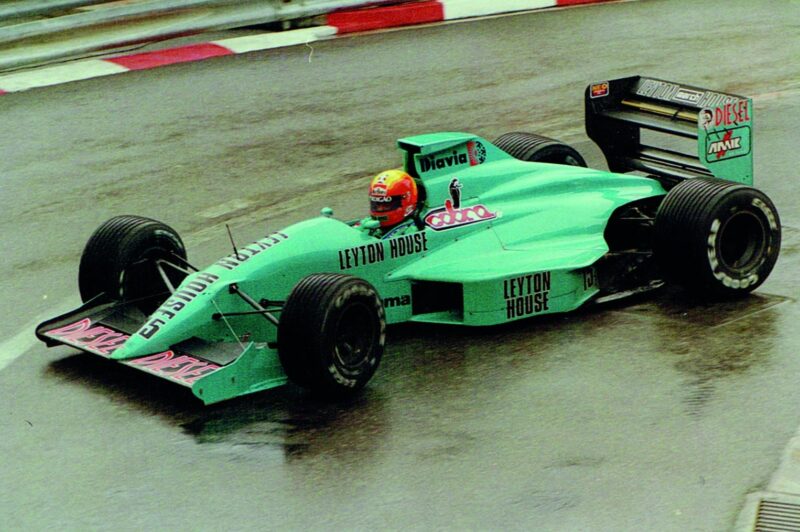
[(504, 231)]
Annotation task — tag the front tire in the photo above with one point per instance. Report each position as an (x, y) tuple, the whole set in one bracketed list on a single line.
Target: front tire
[(717, 237), (119, 261), (331, 334)]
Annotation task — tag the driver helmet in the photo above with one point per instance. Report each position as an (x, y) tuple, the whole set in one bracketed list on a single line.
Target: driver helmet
[(392, 197)]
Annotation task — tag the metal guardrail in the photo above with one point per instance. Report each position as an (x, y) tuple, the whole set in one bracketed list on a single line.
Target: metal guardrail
[(72, 30), (22, 8), (114, 13)]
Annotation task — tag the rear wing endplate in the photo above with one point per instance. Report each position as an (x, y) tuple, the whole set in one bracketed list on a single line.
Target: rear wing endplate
[(618, 111)]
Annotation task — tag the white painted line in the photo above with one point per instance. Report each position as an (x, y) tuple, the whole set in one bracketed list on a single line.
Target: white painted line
[(23, 341), (12, 349), (454, 9), (252, 43), (55, 75)]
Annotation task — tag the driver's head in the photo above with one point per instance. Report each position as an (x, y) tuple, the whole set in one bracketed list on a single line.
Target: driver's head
[(392, 197)]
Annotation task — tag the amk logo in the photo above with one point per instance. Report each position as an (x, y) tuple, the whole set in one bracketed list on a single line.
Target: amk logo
[(727, 144)]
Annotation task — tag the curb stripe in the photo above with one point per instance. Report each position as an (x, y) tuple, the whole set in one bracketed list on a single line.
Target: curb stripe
[(57, 74), (386, 17), (264, 41), (182, 54), (455, 9)]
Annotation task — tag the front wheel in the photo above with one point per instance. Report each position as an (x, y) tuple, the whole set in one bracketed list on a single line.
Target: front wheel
[(717, 237), (120, 261), (331, 334)]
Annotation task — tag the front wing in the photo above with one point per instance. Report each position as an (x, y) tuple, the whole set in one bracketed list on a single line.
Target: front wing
[(213, 371)]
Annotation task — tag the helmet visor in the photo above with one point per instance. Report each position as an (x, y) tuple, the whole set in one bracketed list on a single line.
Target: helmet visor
[(385, 203)]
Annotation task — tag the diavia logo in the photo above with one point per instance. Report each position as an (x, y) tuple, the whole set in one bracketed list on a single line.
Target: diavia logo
[(453, 215), (474, 155)]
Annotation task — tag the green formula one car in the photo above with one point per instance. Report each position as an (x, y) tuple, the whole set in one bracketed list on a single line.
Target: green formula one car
[(503, 231)]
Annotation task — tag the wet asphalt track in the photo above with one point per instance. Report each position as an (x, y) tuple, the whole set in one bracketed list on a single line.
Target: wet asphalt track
[(656, 414)]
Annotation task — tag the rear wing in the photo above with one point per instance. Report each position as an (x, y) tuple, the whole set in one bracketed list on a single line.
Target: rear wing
[(621, 111)]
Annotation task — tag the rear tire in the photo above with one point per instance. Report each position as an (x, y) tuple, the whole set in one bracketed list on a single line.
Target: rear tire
[(536, 148), (717, 237), (331, 334), (119, 261)]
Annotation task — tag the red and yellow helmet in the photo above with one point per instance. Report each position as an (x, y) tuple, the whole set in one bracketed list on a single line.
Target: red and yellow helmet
[(392, 197)]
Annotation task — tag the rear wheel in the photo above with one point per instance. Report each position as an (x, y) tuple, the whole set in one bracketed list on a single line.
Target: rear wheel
[(331, 334), (717, 237), (536, 148), (119, 261)]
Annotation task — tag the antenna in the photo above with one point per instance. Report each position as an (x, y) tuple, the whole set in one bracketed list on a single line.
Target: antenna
[(235, 250)]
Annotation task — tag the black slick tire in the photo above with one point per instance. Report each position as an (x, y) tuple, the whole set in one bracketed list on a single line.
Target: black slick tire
[(119, 261), (538, 149), (331, 334), (717, 238)]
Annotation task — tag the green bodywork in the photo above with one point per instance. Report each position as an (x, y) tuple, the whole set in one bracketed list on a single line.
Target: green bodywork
[(533, 254), (496, 239)]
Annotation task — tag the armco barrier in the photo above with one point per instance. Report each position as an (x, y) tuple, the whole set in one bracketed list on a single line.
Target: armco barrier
[(114, 25), (22, 8)]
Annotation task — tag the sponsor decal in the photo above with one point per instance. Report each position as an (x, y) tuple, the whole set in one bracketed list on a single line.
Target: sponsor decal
[(453, 215), (104, 341), (599, 90), (408, 244), (672, 92), (176, 302), (474, 154), (399, 301), (688, 96), (455, 193), (438, 162), (477, 153), (730, 114), (727, 144), (361, 255), (95, 339), (182, 369), (234, 260), (589, 279), (527, 294), (705, 118), (375, 252), (381, 199)]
